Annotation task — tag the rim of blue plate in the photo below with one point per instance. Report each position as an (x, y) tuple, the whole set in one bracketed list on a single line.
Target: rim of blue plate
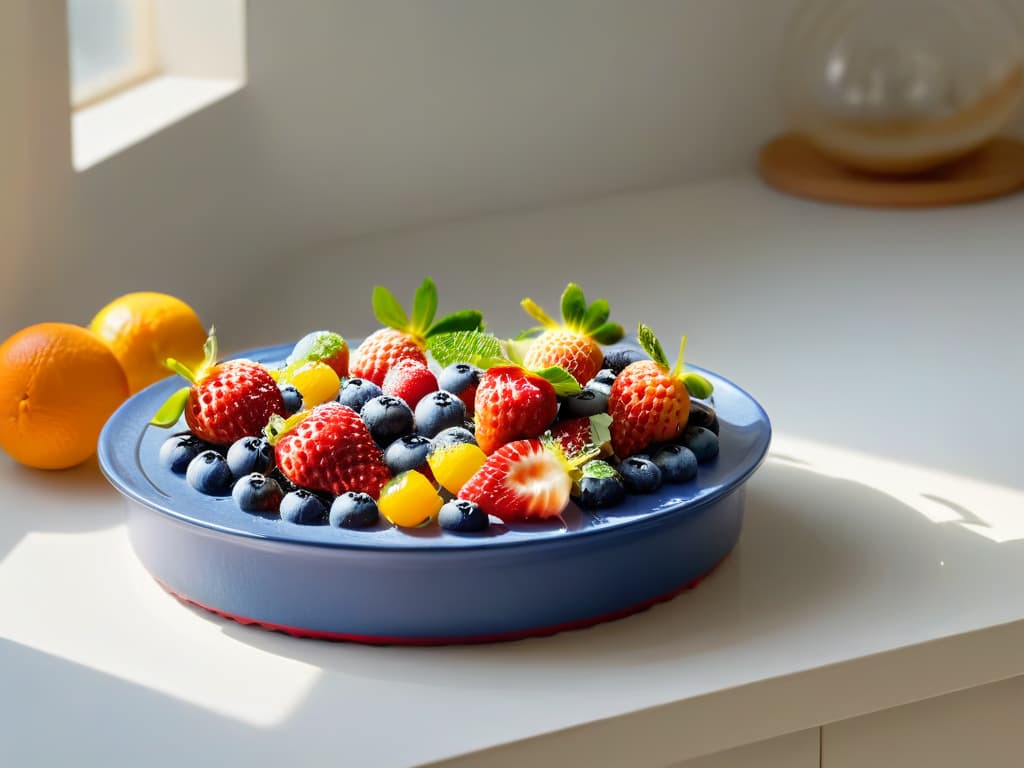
[(131, 419)]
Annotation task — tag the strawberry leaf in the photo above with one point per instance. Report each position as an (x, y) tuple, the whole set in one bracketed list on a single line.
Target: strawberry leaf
[(608, 333), (424, 306), (182, 370), (651, 345), (480, 349), (597, 315), (172, 409), (463, 320), (697, 385), (387, 309), (600, 429), (209, 350), (574, 306), (559, 378), (534, 310)]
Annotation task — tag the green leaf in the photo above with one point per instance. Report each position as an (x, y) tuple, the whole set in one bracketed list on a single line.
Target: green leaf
[(600, 469), (172, 409), (559, 378), (424, 306), (209, 351), (609, 333), (181, 369), (650, 344), (678, 368), (387, 309), (697, 385), (600, 429), (463, 320), (597, 315), (516, 349), (466, 347), (574, 306), (533, 309)]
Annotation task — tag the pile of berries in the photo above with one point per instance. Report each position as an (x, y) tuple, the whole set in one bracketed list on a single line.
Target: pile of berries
[(484, 427)]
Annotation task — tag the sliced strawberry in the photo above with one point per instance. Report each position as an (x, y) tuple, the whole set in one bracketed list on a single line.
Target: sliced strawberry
[(410, 380), (521, 481), (331, 450), (512, 403)]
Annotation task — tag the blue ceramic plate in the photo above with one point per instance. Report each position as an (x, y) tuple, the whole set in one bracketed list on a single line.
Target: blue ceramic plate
[(428, 585)]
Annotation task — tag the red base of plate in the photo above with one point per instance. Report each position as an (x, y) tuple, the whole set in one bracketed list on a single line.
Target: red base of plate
[(428, 641)]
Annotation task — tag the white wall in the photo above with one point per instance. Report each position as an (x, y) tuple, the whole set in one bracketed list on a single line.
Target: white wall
[(368, 115)]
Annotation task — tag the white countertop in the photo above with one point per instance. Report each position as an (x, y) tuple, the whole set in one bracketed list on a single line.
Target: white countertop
[(881, 560)]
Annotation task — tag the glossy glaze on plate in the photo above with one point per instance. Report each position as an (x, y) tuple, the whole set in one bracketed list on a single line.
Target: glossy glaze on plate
[(428, 585)]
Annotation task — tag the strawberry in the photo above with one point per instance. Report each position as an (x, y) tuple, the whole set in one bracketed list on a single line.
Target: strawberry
[(586, 433), (574, 345), (521, 481), (226, 401), (403, 338), (410, 380), (648, 402), (512, 403), (329, 449)]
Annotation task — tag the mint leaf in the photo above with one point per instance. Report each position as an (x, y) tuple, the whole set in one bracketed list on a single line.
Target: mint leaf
[(599, 469), (171, 410), (481, 349), (574, 306), (559, 378), (424, 306), (387, 309), (463, 320)]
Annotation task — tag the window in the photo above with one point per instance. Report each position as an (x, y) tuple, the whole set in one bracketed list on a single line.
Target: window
[(112, 46)]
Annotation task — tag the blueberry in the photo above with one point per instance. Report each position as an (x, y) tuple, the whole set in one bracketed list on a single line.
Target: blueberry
[(355, 393), (453, 436), (604, 376), (408, 452), (600, 486), (617, 358), (257, 493), (387, 418), (677, 463), (354, 510), (458, 377), (176, 452), (250, 454), (302, 507), (292, 399), (703, 442), (437, 411), (640, 475), (702, 414), (462, 516), (208, 473), (586, 402)]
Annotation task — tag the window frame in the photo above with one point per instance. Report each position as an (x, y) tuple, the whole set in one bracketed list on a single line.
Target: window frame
[(144, 66)]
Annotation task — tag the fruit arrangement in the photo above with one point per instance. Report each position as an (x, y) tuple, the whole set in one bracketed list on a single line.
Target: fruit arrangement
[(442, 423)]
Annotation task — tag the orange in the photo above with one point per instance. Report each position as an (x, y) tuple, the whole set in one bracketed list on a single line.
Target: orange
[(58, 385), (144, 329)]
